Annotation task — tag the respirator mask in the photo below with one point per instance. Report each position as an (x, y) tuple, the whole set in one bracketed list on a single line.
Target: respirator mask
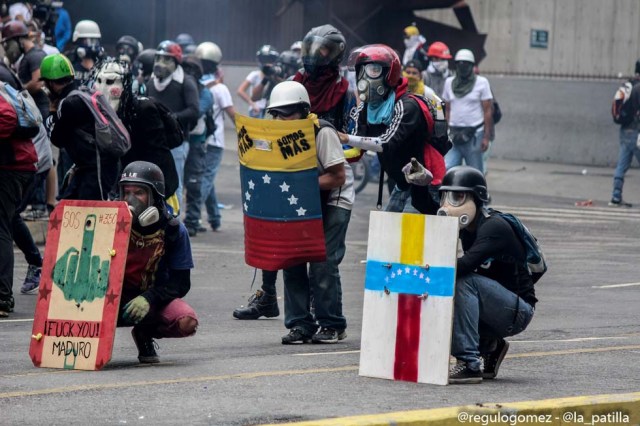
[(371, 85), (144, 214), (460, 205), (163, 66)]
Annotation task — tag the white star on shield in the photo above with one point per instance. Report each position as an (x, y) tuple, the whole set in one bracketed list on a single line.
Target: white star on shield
[(284, 187), (292, 200), (301, 211), (247, 195), (251, 184), (266, 179)]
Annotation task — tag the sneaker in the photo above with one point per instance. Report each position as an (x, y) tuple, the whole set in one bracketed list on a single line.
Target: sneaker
[(260, 304), (146, 347), (493, 360), (342, 334), (6, 307), (460, 373), (32, 280), (619, 203), (35, 214), (327, 335), (201, 229), (296, 336), (192, 231)]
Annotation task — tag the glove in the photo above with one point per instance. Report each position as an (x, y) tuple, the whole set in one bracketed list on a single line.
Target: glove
[(136, 309), (416, 174)]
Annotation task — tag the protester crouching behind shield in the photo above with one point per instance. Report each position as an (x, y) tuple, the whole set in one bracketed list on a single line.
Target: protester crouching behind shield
[(157, 272)]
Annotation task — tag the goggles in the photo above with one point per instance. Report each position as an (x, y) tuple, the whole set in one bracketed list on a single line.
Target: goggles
[(454, 199), (373, 70)]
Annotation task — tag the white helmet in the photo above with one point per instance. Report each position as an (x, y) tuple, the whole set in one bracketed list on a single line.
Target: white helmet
[(86, 29), (296, 46), (209, 51), (465, 55), (109, 82), (288, 94)]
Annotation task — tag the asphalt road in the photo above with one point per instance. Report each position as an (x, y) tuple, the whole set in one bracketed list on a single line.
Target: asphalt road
[(584, 338)]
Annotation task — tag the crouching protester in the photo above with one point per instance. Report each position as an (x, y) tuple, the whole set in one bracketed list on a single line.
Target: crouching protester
[(157, 273), (494, 296)]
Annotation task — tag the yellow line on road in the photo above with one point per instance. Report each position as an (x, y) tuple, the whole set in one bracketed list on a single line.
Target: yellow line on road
[(121, 385), (259, 374)]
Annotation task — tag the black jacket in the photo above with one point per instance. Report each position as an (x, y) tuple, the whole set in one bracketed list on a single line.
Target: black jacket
[(494, 251), (402, 139), (182, 99), (149, 143)]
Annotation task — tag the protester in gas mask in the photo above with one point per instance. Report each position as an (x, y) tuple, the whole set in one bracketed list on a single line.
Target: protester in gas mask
[(142, 119), (157, 273), (88, 50), (127, 50), (170, 85), (494, 293), (251, 89)]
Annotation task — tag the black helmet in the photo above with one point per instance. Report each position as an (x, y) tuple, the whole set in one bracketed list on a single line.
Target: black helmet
[(143, 172), (466, 179), (327, 37), (127, 45), (185, 39), (267, 55), (145, 61), (192, 65), (290, 59)]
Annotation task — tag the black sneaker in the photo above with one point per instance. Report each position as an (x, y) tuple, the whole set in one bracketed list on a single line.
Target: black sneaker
[(327, 335), (6, 307), (493, 360), (192, 231), (296, 336), (619, 203), (260, 304), (342, 334), (460, 373), (146, 347)]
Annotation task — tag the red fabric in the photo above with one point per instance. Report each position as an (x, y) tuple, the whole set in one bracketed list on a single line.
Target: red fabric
[(325, 90), (24, 151), (407, 338), (274, 245), (433, 160), (401, 89)]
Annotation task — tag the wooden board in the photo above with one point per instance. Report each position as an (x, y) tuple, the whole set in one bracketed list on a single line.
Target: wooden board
[(80, 286), (407, 316)]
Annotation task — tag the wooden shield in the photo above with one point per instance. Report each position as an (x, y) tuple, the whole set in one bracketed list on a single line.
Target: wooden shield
[(80, 286), (407, 316)]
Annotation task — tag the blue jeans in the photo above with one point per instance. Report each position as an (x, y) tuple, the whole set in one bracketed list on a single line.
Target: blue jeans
[(483, 308), (179, 156), (470, 152), (324, 279), (193, 172), (212, 161), (400, 201), (628, 148)]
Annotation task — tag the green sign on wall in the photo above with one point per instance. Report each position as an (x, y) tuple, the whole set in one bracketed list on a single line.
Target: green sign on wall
[(539, 39)]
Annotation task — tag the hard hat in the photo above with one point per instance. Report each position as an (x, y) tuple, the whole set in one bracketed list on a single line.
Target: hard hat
[(55, 67), (86, 29), (440, 50), (288, 94), (209, 51), (14, 29), (465, 55)]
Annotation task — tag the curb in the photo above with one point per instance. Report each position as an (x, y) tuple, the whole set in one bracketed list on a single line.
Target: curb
[(611, 409)]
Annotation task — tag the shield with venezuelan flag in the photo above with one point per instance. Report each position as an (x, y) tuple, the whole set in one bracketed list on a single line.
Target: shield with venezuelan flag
[(407, 316), (280, 192)]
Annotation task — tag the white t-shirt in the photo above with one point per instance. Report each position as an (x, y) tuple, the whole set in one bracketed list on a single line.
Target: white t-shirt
[(329, 152), (467, 111), (221, 100), (254, 78)]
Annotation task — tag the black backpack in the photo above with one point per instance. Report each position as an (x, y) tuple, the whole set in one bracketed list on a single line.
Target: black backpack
[(622, 109), (172, 128)]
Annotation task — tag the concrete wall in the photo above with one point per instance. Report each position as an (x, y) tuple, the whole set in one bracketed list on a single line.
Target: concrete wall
[(586, 37), (558, 121)]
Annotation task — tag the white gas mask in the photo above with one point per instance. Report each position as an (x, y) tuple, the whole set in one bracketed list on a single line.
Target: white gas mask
[(144, 214), (460, 205), (109, 83), (371, 83)]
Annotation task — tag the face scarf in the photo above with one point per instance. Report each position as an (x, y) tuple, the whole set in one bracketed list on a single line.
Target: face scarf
[(464, 80), (416, 85), (325, 88)]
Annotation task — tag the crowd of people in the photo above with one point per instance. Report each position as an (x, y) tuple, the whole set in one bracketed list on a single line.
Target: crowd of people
[(172, 101)]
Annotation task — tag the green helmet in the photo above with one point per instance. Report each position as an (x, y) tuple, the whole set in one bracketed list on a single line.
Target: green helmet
[(55, 67)]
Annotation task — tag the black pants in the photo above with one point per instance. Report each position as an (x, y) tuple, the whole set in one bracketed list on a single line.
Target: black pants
[(21, 234), (193, 171), (12, 188)]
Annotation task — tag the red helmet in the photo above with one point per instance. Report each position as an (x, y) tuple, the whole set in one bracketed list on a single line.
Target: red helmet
[(170, 48), (14, 29), (439, 50), (380, 54)]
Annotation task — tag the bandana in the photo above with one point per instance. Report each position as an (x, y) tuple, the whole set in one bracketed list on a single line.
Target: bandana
[(325, 90)]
